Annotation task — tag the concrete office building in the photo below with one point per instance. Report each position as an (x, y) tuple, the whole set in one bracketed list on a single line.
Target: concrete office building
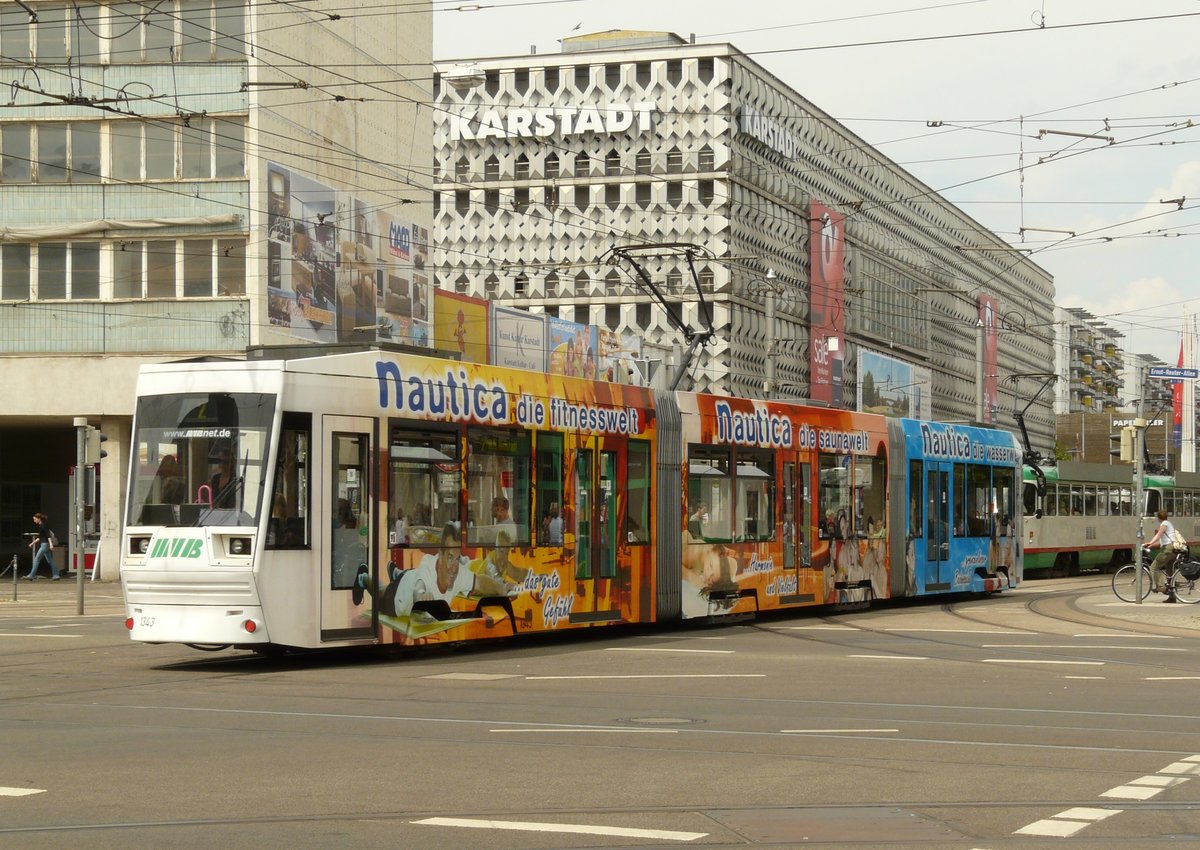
[(883, 292), (185, 179)]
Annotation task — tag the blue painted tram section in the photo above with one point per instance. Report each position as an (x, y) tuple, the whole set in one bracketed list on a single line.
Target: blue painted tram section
[(960, 512)]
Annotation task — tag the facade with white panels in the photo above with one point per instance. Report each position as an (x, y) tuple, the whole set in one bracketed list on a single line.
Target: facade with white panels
[(134, 199), (544, 163)]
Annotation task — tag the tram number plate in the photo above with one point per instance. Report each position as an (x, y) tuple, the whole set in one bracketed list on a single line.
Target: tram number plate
[(146, 621)]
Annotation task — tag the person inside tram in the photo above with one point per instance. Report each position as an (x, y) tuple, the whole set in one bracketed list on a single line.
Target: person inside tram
[(223, 481)]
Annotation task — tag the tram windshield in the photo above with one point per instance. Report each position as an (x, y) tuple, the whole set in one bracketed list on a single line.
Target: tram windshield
[(200, 459)]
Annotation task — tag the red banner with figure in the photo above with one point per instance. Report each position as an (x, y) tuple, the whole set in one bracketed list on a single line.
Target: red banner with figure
[(827, 307), (991, 393)]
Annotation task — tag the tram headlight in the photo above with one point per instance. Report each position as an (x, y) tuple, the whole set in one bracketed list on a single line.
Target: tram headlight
[(239, 546), (139, 545)]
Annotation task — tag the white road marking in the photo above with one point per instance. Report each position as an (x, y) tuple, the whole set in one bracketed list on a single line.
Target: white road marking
[(578, 828), (816, 628), (1080, 646), (59, 626), (833, 731), (575, 729), (894, 657), (659, 676), (1132, 792), (473, 677), (1160, 781), (1065, 824), (1126, 636), (1038, 661), (23, 634), (1171, 678), (1100, 678), (20, 792), (654, 648), (966, 631), (1181, 768)]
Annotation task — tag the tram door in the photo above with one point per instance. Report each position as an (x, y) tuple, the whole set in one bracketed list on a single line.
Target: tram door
[(596, 534), (937, 526), (348, 510)]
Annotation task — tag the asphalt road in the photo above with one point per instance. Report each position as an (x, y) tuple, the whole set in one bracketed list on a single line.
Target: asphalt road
[(1050, 716)]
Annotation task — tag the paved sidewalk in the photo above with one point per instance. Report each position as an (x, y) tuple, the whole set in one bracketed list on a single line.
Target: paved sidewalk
[(52, 598), (1153, 610)]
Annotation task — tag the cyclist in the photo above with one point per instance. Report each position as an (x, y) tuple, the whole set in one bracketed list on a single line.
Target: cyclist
[(1163, 537)]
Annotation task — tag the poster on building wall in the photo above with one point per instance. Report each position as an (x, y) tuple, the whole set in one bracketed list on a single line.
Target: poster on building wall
[(518, 339), (619, 357), (572, 349), (991, 377), (893, 387), (827, 316), (460, 325), (337, 271)]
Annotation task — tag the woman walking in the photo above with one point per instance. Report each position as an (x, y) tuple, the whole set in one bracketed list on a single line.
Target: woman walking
[(43, 547)]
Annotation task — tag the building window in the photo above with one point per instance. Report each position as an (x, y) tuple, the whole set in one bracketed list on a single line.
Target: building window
[(643, 194), (63, 152), (14, 272), (521, 80), (462, 168), (231, 267), (675, 161), (642, 316), (612, 77), (642, 164), (705, 159), (207, 30), (551, 284), (521, 285), (552, 166), (674, 193), (437, 85), (521, 168), (60, 33), (491, 200), (612, 195), (437, 202), (582, 197), (552, 80), (462, 201), (704, 69), (675, 71), (128, 274), (583, 77), (491, 168), (550, 197), (582, 314), (583, 165), (491, 82), (612, 164), (491, 286), (462, 285), (160, 150), (612, 316), (643, 74), (52, 271), (582, 282), (706, 192), (520, 197), (85, 270)]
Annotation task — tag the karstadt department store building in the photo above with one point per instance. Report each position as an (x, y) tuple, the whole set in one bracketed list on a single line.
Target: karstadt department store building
[(885, 295)]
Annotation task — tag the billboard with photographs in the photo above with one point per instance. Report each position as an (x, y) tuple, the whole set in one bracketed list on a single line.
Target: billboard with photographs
[(339, 270), (620, 357), (572, 350), (893, 387), (461, 326)]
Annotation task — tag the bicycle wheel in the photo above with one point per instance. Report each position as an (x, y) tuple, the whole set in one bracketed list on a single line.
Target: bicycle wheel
[(1124, 583), (1187, 589)]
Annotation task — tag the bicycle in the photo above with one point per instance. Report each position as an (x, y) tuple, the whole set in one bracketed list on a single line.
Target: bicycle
[(1182, 579)]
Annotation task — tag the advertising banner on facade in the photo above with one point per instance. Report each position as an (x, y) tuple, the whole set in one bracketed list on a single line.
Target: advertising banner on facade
[(461, 324), (518, 339), (893, 387), (572, 350), (991, 377), (619, 356), (827, 314), (336, 272)]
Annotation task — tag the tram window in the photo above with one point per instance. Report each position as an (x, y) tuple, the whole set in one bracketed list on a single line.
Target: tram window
[(637, 510), (1076, 500), (710, 493), (550, 488), (1102, 501), (979, 480), (833, 496), (1062, 500), (289, 527), (1029, 498), (961, 496), (1089, 500), (1153, 503), (497, 485), (870, 488), (1126, 502), (915, 503), (1004, 499), (755, 477), (424, 483)]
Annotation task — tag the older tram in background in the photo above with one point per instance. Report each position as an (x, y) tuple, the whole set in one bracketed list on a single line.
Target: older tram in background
[(386, 498)]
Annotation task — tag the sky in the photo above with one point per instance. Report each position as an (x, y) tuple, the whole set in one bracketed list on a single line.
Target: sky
[(990, 76)]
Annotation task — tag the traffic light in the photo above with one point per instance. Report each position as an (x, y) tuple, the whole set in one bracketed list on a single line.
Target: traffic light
[(92, 451), (1126, 438)]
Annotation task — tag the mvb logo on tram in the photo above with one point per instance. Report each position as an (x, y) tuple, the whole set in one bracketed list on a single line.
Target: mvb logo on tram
[(177, 547)]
